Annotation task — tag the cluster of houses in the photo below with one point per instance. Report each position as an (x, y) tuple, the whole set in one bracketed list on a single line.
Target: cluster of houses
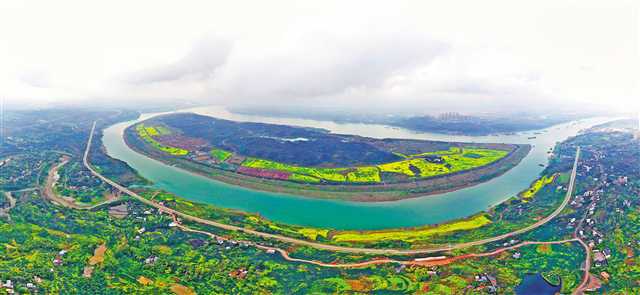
[(589, 230), (488, 283), (16, 172), (9, 287), (240, 273), (223, 243)]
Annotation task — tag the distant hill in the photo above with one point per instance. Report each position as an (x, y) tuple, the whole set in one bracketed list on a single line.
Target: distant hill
[(469, 125), (446, 123)]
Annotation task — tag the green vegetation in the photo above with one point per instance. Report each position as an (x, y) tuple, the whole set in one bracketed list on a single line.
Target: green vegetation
[(316, 157), (414, 168), (413, 235), (165, 260), (151, 131), (472, 158), (220, 155), (364, 175), (50, 249), (451, 151), (144, 133), (327, 174), (313, 233), (303, 178), (162, 130), (453, 160), (537, 186)]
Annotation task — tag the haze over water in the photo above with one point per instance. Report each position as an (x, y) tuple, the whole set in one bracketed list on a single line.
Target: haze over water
[(342, 214)]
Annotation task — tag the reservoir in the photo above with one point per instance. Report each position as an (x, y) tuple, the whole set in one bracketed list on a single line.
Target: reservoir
[(535, 284), (342, 214)]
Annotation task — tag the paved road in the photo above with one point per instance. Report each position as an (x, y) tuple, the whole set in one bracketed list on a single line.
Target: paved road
[(326, 246), (586, 277)]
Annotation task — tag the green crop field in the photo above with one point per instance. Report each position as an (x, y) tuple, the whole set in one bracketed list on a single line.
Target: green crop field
[(412, 235), (537, 186), (472, 158), (451, 151), (162, 130), (151, 131), (328, 174), (220, 155), (143, 132), (403, 167), (303, 178), (364, 175), (454, 160)]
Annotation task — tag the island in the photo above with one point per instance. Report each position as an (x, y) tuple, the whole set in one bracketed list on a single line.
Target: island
[(316, 163)]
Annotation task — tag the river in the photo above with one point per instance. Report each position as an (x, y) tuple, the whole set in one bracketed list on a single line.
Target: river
[(341, 214)]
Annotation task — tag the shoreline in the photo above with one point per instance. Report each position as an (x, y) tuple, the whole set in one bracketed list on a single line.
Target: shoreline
[(365, 193), (323, 246)]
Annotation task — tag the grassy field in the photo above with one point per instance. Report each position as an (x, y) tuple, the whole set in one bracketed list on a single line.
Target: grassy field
[(412, 235), (146, 133)]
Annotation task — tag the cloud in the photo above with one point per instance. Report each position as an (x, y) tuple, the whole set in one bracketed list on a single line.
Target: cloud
[(410, 56), (322, 65), (36, 78), (205, 57), (388, 71)]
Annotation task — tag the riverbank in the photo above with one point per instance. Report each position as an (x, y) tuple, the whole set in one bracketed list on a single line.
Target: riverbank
[(343, 215), (384, 192), (385, 251)]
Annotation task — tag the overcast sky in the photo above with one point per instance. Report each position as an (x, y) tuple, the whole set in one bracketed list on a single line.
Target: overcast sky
[(417, 56)]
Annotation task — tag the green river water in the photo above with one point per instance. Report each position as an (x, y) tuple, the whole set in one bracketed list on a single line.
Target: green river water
[(340, 214)]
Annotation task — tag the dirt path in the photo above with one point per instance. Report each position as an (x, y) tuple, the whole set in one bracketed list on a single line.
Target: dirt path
[(52, 178)]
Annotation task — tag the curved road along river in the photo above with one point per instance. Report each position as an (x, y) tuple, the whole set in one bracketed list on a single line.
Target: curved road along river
[(343, 215), (326, 246)]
